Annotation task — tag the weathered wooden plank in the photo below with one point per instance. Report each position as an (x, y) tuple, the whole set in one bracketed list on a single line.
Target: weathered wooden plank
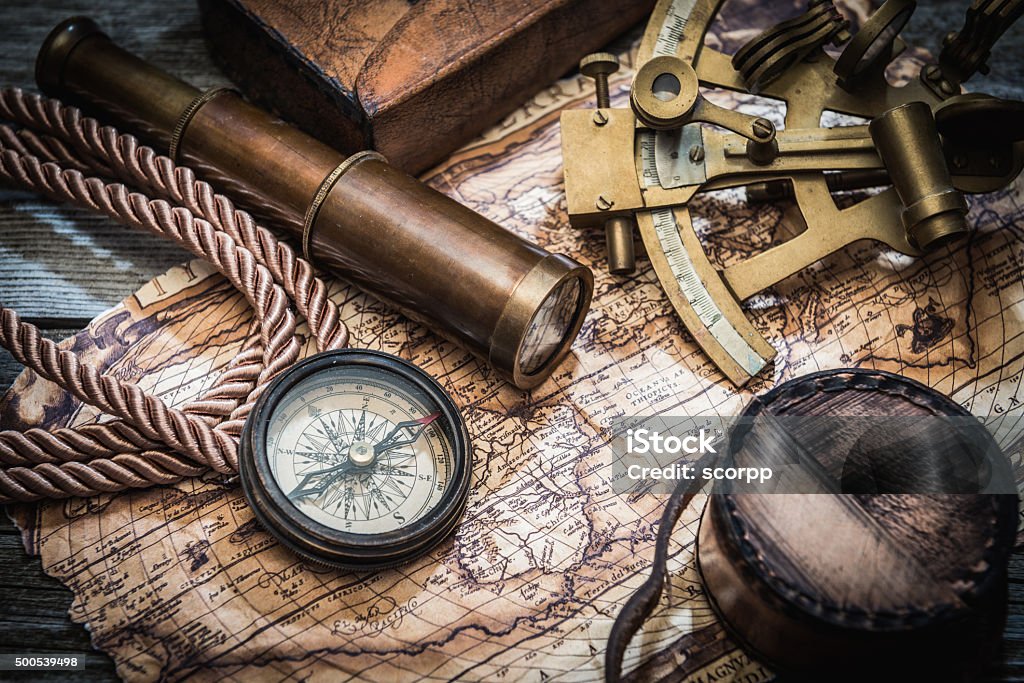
[(35, 616), (165, 32), (66, 264), (70, 265)]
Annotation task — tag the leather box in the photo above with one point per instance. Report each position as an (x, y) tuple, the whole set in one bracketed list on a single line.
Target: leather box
[(412, 80)]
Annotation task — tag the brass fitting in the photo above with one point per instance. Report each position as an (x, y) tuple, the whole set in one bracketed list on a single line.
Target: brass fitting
[(618, 233), (934, 212)]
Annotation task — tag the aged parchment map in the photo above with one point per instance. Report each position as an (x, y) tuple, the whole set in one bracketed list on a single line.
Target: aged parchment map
[(180, 582)]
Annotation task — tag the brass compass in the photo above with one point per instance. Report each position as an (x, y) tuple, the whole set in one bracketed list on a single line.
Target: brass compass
[(356, 459), (924, 146)]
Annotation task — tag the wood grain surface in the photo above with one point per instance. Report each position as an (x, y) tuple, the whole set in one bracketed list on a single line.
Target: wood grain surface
[(60, 267)]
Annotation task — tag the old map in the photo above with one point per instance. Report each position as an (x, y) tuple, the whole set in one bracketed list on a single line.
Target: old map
[(180, 582)]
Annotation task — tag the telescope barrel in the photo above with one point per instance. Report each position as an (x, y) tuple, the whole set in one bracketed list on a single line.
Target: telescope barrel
[(508, 301)]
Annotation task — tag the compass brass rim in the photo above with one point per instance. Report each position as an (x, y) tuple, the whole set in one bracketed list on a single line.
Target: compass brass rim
[(318, 542)]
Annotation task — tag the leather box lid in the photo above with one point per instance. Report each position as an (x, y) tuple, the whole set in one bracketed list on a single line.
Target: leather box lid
[(413, 80)]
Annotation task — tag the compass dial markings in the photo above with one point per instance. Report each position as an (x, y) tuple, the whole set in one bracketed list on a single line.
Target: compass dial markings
[(386, 491), (357, 459)]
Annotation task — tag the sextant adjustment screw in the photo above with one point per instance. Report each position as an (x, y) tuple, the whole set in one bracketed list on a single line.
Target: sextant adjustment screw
[(604, 204), (763, 129), (599, 66), (697, 154)]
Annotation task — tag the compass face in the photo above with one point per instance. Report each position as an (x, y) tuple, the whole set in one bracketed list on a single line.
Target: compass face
[(359, 450), (356, 459)]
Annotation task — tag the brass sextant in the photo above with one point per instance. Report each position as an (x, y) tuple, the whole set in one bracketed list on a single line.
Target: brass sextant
[(925, 144)]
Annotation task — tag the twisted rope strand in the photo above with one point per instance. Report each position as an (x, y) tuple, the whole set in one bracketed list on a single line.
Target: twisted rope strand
[(237, 264), (126, 452), (156, 421), (192, 438), (140, 166), (115, 437), (84, 134)]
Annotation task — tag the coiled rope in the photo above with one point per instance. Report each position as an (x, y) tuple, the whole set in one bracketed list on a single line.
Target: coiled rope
[(50, 148)]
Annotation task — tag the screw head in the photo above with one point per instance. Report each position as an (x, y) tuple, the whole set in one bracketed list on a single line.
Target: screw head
[(598, 63), (697, 154), (600, 118), (763, 129), (932, 72), (603, 204)]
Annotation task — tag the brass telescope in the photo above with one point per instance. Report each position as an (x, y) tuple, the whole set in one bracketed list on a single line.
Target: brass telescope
[(510, 302)]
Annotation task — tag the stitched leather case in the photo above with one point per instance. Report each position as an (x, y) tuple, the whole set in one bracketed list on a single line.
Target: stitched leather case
[(413, 80), (865, 585)]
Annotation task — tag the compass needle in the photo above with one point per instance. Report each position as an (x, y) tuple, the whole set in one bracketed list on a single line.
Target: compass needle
[(361, 427), (415, 426)]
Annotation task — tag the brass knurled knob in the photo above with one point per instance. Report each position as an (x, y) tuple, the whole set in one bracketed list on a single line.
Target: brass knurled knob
[(599, 66)]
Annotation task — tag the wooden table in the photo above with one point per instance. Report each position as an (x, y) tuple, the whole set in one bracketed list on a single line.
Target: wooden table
[(62, 293)]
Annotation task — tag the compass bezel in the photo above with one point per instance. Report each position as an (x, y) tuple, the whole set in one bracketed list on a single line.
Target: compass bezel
[(323, 544)]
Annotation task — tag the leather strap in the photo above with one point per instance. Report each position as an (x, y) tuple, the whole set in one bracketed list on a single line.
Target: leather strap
[(642, 603)]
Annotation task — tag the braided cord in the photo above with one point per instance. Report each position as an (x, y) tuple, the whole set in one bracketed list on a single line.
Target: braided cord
[(68, 157)]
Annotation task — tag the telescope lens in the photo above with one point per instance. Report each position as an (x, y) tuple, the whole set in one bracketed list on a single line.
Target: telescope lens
[(549, 326)]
